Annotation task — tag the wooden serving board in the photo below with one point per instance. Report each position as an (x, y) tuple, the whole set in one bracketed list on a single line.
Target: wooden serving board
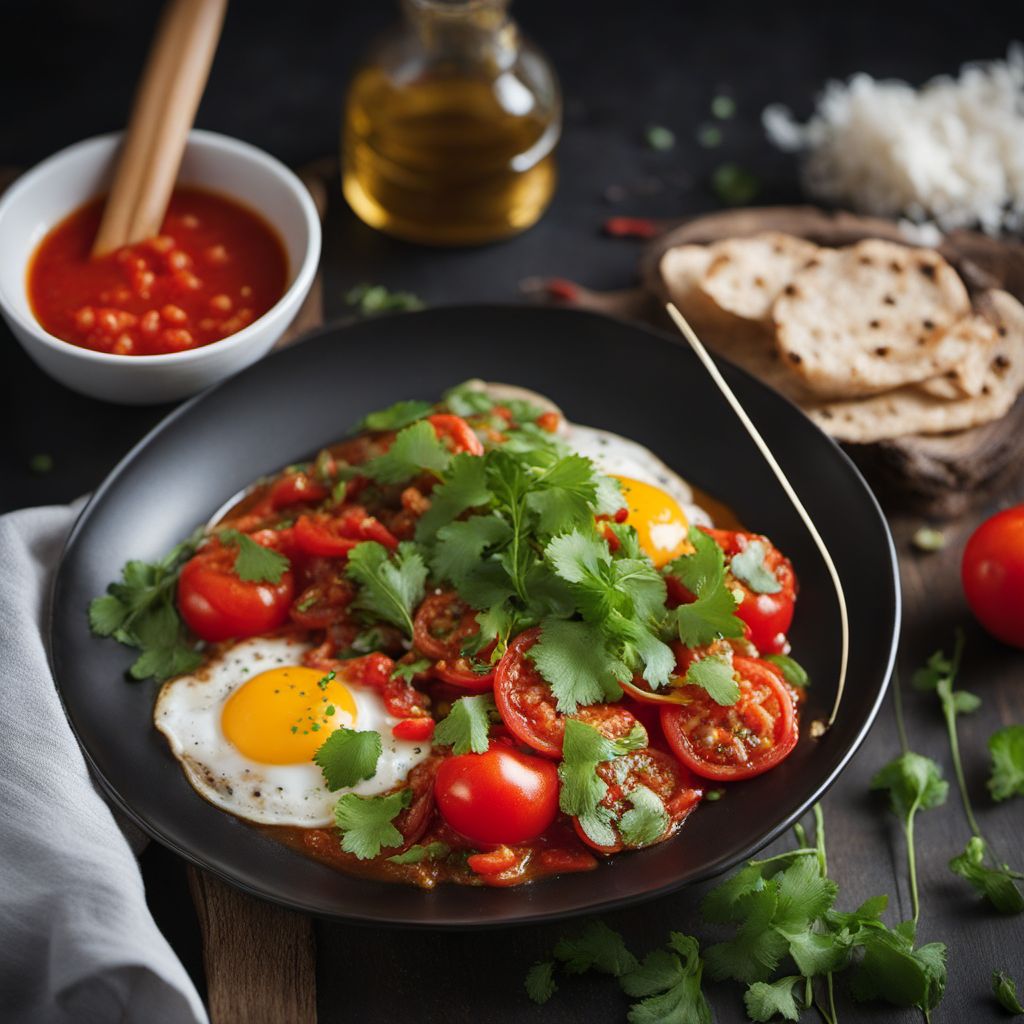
[(937, 476)]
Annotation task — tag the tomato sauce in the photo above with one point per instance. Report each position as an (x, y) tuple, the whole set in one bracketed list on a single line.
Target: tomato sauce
[(215, 267)]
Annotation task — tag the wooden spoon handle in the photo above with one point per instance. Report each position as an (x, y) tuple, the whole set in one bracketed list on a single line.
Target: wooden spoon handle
[(164, 110), (260, 960)]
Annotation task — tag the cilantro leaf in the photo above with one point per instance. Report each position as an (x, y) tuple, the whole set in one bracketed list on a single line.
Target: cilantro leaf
[(416, 854), (750, 567), (702, 570), (596, 948), (254, 563), (715, 675), (396, 416), (996, 884), (540, 982), (347, 756), (896, 972), (765, 1001), (1004, 988), (464, 487), (646, 821), (408, 670), (139, 611), (670, 982), (416, 449), (578, 557), (390, 587), (756, 950), (710, 616), (366, 822), (467, 727), (376, 298), (913, 783), (565, 494), (460, 545), (573, 659), (792, 671), (468, 398), (1007, 749)]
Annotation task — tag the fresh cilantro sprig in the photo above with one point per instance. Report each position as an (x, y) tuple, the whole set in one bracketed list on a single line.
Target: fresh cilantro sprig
[(1004, 988), (366, 823), (750, 567), (416, 854), (914, 783), (996, 881), (348, 756), (715, 674), (711, 615), (254, 563), (1007, 749), (467, 726), (139, 611), (668, 985), (396, 416), (390, 586)]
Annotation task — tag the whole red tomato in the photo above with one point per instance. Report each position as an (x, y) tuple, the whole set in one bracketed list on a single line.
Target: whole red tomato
[(993, 575), (501, 796)]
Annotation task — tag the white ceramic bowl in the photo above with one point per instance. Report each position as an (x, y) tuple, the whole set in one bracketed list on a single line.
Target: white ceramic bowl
[(49, 192)]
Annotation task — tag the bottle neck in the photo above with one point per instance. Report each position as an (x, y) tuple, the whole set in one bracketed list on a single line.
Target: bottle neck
[(464, 31)]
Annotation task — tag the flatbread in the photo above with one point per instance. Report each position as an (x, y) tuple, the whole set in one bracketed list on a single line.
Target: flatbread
[(869, 318), (681, 270), (911, 410), (977, 335), (746, 275)]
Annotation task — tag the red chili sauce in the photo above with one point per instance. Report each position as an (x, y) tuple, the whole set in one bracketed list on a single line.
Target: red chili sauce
[(215, 267)]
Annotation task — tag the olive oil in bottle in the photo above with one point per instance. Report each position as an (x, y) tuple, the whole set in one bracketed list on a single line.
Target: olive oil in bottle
[(451, 126)]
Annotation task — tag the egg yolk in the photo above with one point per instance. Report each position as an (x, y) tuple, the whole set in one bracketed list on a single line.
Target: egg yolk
[(660, 523), (282, 715)]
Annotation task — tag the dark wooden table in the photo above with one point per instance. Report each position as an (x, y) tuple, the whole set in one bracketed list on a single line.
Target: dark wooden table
[(277, 82)]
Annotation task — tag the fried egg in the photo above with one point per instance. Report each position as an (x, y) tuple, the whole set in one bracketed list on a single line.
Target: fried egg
[(246, 725), (660, 503)]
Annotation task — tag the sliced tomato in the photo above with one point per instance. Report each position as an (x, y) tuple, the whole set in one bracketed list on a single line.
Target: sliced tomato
[(296, 489), (443, 623), (659, 772), (334, 536), (529, 708), (768, 616), (494, 861), (413, 729), (738, 741), (322, 604), (400, 697), (216, 605), (456, 433), (412, 822)]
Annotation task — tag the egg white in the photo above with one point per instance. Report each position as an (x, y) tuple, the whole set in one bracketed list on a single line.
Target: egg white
[(188, 712)]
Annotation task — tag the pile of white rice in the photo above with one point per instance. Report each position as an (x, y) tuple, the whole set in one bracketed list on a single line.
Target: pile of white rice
[(950, 153)]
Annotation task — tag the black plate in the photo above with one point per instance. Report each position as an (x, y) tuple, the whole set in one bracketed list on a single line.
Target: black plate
[(603, 373)]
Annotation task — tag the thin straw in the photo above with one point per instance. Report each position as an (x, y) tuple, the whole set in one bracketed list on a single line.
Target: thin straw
[(702, 354)]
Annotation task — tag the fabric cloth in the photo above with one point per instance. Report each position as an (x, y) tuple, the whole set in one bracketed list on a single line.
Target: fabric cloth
[(77, 941)]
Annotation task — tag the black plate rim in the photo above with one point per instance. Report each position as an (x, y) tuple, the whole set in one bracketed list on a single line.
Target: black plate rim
[(708, 872)]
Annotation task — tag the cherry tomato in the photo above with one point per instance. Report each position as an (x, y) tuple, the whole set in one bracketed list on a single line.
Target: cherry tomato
[(456, 432), (737, 741), (400, 697), (216, 605), (442, 624), (768, 616), (296, 489), (993, 575), (660, 773), (501, 796), (529, 709)]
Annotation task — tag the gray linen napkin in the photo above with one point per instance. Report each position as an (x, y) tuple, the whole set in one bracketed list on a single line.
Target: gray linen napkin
[(77, 942)]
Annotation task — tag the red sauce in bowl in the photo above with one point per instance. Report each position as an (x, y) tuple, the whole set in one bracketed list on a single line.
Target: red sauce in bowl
[(214, 268)]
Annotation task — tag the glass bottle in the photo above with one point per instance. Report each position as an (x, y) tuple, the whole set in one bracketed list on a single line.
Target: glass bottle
[(450, 127)]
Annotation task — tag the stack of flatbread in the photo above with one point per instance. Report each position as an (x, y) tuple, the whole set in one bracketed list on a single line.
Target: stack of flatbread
[(874, 341)]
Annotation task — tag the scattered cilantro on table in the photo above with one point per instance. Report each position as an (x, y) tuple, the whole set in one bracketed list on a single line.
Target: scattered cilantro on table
[(139, 611), (370, 299), (1007, 749), (347, 756), (1004, 988), (995, 880)]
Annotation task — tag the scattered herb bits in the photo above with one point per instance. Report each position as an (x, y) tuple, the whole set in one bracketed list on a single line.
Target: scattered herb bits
[(660, 138)]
